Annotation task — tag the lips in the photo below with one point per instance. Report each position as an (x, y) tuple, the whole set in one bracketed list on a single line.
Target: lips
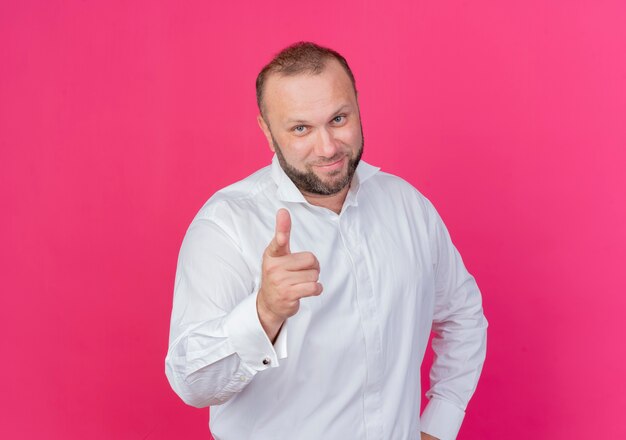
[(331, 166)]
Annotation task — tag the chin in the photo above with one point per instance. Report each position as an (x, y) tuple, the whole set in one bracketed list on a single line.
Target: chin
[(333, 177)]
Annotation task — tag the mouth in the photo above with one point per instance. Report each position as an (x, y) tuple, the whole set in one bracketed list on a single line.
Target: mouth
[(332, 166)]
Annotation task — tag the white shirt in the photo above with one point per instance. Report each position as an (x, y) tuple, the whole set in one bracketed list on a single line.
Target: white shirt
[(347, 364)]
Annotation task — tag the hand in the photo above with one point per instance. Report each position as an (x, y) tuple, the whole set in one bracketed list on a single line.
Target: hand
[(428, 437), (285, 278)]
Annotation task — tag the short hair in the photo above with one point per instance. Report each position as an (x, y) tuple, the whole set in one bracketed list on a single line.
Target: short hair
[(301, 57)]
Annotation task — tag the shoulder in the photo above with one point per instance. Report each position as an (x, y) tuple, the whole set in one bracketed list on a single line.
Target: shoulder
[(387, 186), (387, 193), (391, 181), (231, 207), (241, 195)]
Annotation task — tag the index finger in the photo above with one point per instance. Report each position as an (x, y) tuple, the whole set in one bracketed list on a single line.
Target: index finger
[(279, 246)]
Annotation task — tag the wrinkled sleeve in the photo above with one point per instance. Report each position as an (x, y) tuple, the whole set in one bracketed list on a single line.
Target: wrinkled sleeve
[(217, 344), (460, 336)]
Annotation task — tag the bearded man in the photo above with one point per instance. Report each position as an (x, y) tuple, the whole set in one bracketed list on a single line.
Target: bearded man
[(305, 294)]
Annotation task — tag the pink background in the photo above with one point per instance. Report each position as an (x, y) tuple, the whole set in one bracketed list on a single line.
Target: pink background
[(119, 119)]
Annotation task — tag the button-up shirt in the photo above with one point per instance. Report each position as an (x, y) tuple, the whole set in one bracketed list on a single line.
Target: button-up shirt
[(347, 364)]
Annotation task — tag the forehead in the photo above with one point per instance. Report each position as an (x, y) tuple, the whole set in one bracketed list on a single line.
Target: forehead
[(308, 96)]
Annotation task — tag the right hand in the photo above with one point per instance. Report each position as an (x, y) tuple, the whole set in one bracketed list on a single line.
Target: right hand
[(285, 278)]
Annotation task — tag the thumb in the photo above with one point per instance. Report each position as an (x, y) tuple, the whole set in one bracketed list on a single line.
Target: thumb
[(280, 244)]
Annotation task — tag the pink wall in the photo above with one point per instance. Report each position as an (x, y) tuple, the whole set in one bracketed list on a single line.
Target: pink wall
[(119, 119)]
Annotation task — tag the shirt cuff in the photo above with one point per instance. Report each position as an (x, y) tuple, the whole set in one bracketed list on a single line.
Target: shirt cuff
[(442, 419), (281, 341), (248, 339)]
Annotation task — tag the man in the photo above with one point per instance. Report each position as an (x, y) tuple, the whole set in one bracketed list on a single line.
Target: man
[(305, 294)]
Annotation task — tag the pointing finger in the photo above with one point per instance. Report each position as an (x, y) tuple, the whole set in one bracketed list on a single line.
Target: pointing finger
[(279, 246)]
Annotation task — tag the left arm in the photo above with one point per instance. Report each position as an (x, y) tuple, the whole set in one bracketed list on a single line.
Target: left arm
[(460, 339)]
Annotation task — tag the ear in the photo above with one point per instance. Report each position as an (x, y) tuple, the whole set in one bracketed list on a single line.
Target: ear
[(266, 131)]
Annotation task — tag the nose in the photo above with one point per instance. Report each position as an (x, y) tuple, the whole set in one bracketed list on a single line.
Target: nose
[(327, 145)]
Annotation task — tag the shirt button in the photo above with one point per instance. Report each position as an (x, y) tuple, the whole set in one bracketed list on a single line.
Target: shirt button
[(243, 378), (267, 361)]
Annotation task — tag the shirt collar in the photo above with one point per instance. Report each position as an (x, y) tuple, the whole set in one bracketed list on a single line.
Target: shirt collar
[(288, 192)]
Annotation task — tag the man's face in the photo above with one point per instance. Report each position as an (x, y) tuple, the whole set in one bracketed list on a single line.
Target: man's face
[(313, 125)]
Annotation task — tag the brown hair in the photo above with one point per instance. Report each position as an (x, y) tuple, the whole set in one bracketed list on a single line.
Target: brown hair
[(301, 57)]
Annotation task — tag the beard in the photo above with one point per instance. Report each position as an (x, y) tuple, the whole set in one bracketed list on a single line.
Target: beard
[(307, 181)]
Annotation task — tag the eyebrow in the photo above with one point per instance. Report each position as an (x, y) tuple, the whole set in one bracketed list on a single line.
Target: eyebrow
[(303, 121)]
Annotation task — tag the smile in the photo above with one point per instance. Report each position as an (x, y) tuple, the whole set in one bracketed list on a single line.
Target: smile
[(331, 166)]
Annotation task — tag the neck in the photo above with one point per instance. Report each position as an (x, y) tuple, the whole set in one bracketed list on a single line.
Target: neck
[(333, 202)]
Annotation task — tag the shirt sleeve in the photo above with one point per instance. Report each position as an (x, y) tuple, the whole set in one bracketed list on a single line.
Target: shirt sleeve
[(217, 344), (460, 337)]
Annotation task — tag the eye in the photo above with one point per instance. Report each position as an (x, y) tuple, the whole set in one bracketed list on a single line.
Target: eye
[(299, 129), (339, 119)]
